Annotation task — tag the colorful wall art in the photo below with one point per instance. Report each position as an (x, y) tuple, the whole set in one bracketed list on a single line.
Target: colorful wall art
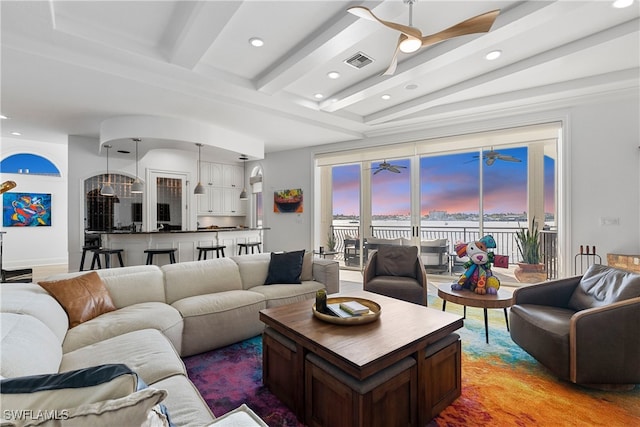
[(26, 210), (288, 201)]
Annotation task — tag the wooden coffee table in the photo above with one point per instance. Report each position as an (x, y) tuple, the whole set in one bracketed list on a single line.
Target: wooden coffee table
[(361, 351), (503, 299)]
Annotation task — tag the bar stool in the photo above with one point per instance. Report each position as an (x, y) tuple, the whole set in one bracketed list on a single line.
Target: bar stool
[(106, 252), (204, 249), (85, 249), (248, 245), (170, 251)]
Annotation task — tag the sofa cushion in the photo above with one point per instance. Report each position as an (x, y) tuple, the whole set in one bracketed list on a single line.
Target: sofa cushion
[(150, 315), (28, 346), (33, 300), (307, 267), (396, 261), (285, 268), (188, 279), (128, 285), (279, 294), (83, 297), (219, 319), (253, 268), (603, 285), (185, 405), (146, 352)]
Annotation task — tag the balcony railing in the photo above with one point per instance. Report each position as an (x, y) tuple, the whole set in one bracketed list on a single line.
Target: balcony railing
[(505, 238)]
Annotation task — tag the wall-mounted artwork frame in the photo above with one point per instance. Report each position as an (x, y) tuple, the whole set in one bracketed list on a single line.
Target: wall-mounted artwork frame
[(288, 201), (26, 209)]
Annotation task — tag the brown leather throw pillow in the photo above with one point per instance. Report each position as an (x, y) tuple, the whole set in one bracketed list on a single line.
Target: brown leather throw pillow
[(82, 297)]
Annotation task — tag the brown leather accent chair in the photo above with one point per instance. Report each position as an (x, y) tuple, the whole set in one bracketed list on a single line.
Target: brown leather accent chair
[(397, 272), (584, 329)]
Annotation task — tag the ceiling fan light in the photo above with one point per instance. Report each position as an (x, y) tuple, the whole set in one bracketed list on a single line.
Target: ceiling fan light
[(410, 45)]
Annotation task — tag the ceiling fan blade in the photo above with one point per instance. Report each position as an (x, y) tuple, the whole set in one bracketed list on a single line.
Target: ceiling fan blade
[(477, 24), (363, 12), (394, 61), (508, 158), (393, 169), (377, 171)]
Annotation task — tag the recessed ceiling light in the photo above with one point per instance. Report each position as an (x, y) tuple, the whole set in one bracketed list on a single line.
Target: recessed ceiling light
[(256, 42), (386, 97), (621, 4), (318, 96), (494, 54), (16, 133), (411, 86), (333, 75), (3, 117)]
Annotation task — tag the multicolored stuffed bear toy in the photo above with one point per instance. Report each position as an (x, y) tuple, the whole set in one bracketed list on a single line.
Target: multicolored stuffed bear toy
[(477, 277)]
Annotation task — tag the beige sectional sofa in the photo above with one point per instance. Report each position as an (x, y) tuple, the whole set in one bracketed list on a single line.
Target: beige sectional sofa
[(161, 313)]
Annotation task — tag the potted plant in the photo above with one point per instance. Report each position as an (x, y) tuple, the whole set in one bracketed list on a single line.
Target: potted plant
[(331, 242), (530, 270)]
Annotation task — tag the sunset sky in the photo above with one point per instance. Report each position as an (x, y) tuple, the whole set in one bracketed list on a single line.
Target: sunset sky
[(448, 183)]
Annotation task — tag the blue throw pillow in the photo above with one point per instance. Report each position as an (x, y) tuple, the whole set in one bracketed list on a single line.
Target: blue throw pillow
[(285, 268)]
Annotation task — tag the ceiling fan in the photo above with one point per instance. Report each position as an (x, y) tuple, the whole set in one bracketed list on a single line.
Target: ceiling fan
[(386, 166), (411, 38), (491, 156)]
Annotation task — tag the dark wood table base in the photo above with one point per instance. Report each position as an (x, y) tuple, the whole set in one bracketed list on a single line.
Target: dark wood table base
[(503, 299)]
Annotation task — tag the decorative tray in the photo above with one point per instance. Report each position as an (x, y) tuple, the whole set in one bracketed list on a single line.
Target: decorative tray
[(373, 315)]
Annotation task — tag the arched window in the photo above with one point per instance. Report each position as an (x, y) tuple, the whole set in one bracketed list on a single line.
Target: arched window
[(32, 164)]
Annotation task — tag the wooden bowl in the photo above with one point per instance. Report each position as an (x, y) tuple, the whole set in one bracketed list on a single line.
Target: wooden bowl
[(372, 316)]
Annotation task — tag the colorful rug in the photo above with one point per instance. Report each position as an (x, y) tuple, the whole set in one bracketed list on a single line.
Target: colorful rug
[(501, 384)]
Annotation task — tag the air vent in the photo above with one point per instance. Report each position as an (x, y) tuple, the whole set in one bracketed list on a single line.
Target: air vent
[(359, 60)]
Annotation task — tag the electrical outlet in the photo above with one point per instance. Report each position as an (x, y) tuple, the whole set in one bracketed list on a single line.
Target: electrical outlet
[(607, 220)]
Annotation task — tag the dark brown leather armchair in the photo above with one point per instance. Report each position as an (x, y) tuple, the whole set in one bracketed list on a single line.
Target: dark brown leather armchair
[(584, 329), (397, 272)]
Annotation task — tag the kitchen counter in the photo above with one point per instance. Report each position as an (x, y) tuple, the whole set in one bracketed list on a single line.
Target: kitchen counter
[(186, 241), (199, 230)]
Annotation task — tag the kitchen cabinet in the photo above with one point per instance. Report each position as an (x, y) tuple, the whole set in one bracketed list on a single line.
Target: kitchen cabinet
[(223, 184)]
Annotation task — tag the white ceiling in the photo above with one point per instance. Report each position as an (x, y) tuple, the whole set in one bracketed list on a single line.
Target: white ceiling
[(69, 65)]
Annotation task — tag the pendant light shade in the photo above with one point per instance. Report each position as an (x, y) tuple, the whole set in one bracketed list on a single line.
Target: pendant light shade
[(137, 187), (199, 188), (243, 193), (107, 189)]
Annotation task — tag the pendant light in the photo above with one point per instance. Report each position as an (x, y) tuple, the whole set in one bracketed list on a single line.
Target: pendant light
[(243, 193), (137, 187), (107, 189), (199, 188)]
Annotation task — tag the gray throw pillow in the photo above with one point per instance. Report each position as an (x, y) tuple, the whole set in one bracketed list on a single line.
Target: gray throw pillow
[(396, 261), (602, 285)]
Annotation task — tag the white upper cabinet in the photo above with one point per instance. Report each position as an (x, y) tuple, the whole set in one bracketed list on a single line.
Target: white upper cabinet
[(223, 184)]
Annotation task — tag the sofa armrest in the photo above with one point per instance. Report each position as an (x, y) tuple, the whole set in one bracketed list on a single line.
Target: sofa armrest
[(604, 344), (555, 293), (370, 269), (327, 272)]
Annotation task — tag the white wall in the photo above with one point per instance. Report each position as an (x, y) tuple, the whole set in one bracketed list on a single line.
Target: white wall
[(25, 247), (603, 159), (281, 171), (605, 176)]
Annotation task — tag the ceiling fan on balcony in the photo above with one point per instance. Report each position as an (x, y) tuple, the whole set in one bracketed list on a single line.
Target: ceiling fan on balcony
[(411, 38), (491, 156), (386, 166)]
